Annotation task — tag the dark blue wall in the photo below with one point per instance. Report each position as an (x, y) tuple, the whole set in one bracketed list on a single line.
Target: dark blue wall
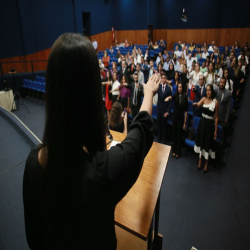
[(29, 26), (131, 15)]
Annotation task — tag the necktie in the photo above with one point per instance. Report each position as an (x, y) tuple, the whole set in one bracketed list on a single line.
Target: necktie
[(163, 88), (200, 91), (135, 97), (222, 96)]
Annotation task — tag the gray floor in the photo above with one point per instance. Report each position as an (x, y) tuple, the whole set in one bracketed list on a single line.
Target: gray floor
[(205, 211)]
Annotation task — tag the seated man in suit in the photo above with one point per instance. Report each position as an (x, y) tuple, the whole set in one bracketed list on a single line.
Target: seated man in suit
[(223, 96), (136, 95), (163, 109), (200, 93)]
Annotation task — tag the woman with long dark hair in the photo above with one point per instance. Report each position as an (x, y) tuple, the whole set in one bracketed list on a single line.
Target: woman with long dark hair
[(179, 118), (118, 119), (229, 82), (171, 72), (207, 131), (124, 93), (107, 82), (71, 183)]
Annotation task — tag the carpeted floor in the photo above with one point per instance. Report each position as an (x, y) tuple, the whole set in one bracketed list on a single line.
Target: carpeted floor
[(207, 211)]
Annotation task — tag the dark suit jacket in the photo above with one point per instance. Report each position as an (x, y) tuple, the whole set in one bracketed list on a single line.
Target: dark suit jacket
[(224, 105), (145, 71), (198, 97), (130, 72), (162, 106), (120, 73), (139, 93), (179, 109)]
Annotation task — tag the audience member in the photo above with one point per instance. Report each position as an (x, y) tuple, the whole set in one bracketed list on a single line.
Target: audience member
[(106, 60), (136, 95), (179, 118), (107, 82), (207, 131), (140, 74), (163, 110), (124, 93), (191, 47), (210, 77), (177, 52), (118, 119), (131, 70), (203, 68), (115, 88), (162, 46), (151, 69), (158, 59), (156, 46), (144, 69), (166, 64), (200, 91), (196, 74), (171, 71), (174, 82), (165, 54), (223, 97), (205, 54), (211, 47), (176, 65)]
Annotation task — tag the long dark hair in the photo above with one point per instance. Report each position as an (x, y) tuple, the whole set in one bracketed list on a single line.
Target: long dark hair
[(227, 79), (212, 90), (115, 114), (183, 94), (74, 119)]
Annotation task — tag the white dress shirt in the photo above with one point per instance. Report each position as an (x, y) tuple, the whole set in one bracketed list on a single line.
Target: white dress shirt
[(115, 85), (166, 65), (196, 77), (204, 55)]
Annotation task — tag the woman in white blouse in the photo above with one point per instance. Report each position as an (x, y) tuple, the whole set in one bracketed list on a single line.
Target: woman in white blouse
[(196, 74), (115, 87), (210, 76)]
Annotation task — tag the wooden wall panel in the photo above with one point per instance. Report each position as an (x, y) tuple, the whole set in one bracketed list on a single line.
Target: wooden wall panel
[(25, 66), (224, 37), (104, 40)]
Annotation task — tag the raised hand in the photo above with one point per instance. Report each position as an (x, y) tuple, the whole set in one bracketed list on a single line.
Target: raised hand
[(153, 83)]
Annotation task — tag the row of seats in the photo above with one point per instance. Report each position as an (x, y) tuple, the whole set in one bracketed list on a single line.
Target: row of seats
[(34, 85), (221, 48)]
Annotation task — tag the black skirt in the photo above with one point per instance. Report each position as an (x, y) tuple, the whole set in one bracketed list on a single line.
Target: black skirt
[(204, 141)]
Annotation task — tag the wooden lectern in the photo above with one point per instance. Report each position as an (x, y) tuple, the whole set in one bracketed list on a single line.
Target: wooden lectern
[(134, 213)]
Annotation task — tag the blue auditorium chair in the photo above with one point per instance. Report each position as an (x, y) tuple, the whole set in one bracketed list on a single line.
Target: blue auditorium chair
[(201, 60), (151, 54), (195, 124), (157, 51), (190, 108)]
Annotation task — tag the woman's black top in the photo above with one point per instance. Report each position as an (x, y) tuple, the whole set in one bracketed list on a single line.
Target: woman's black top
[(179, 107), (184, 81), (170, 74), (102, 180), (118, 128)]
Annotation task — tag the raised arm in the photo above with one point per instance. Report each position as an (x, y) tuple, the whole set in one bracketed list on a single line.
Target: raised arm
[(149, 89), (200, 103)]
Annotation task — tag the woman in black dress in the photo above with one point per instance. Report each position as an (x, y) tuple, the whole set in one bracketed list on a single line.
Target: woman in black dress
[(118, 119), (170, 72), (207, 131), (179, 118), (71, 183)]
